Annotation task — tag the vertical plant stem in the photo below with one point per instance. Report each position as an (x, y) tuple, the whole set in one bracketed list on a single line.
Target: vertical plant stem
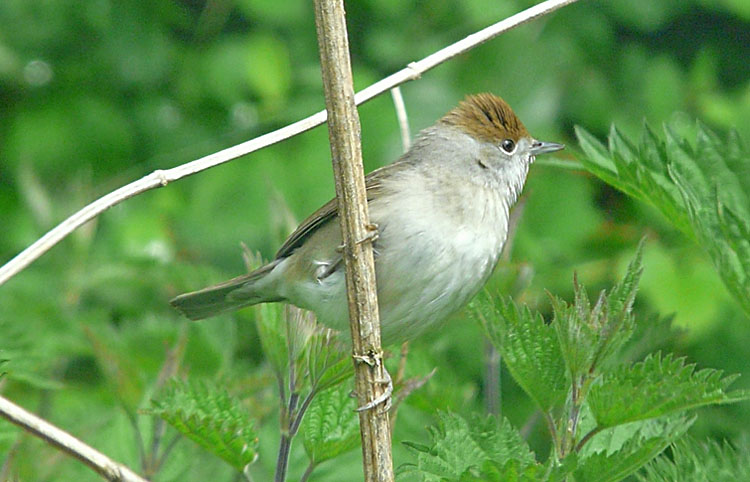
[(403, 119), (344, 135), (285, 444), (282, 461), (568, 441), (297, 420)]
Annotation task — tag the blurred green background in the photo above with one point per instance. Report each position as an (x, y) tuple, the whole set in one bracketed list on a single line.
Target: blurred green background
[(96, 94)]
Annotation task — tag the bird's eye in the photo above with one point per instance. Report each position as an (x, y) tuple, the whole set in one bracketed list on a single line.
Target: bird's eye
[(508, 145)]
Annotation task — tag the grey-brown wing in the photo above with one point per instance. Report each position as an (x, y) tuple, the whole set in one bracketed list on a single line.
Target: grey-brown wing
[(308, 226), (329, 211)]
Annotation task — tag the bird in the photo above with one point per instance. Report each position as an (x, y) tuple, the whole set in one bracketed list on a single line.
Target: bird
[(442, 217)]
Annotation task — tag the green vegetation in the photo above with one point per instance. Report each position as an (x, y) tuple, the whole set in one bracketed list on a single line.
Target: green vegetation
[(652, 100)]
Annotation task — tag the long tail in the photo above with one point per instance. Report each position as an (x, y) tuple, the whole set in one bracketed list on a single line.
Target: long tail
[(230, 295)]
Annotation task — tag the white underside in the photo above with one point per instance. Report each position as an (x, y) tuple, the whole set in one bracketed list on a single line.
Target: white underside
[(432, 266)]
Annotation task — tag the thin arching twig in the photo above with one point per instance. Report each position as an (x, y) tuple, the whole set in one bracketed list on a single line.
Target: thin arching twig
[(106, 467), (403, 118)]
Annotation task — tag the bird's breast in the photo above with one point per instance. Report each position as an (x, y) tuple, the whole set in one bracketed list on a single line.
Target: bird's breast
[(432, 257)]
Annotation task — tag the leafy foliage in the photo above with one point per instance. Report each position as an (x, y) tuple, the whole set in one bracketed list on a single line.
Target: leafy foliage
[(331, 426), (701, 185), (96, 94), (694, 461), (18, 359), (641, 445), (211, 418), (272, 329), (326, 359), (529, 348), (589, 336), (309, 363), (607, 418), (655, 387), (462, 449)]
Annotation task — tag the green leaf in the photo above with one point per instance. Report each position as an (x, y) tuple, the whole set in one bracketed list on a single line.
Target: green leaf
[(328, 362), (20, 360), (529, 347), (656, 387), (461, 449), (511, 471), (694, 461), (211, 418), (640, 180), (644, 441), (272, 331), (589, 336), (702, 188), (331, 425)]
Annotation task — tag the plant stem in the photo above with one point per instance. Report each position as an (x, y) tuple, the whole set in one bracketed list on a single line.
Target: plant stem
[(344, 133), (308, 472), (569, 431), (586, 438), (285, 445), (282, 461), (297, 419)]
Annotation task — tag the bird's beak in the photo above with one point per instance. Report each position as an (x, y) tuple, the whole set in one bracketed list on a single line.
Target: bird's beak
[(539, 147)]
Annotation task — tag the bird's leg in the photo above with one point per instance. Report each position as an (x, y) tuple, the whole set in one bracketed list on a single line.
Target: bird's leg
[(372, 235)]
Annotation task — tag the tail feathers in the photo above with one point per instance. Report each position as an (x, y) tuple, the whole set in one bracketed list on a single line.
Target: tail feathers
[(227, 296)]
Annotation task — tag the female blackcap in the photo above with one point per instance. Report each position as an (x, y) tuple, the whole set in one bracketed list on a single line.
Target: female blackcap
[(441, 212)]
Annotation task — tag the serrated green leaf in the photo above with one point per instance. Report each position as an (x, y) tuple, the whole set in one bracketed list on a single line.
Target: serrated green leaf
[(590, 335), (331, 425), (694, 461), (529, 348), (644, 443), (694, 187), (511, 471), (599, 162), (211, 418), (462, 449), (327, 359), (656, 387)]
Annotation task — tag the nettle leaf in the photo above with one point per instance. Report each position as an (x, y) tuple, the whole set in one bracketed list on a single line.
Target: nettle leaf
[(590, 335), (694, 461), (702, 187), (272, 333), (529, 347), (463, 449), (331, 425), (620, 452), (512, 471), (211, 418), (646, 183), (655, 387), (620, 324), (327, 359)]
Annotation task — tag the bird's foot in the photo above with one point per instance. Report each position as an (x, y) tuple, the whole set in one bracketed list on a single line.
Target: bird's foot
[(376, 360)]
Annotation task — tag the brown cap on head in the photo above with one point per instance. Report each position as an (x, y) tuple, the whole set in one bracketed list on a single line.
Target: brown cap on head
[(486, 117)]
